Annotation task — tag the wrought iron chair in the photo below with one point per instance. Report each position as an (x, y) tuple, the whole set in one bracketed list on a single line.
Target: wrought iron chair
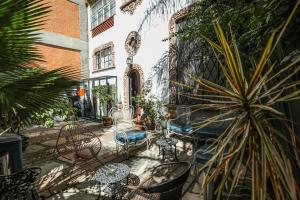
[(166, 182), (75, 142), (20, 185), (126, 133), (181, 125)]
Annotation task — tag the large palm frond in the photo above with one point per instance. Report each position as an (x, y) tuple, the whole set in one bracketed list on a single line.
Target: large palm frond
[(25, 90), (161, 9)]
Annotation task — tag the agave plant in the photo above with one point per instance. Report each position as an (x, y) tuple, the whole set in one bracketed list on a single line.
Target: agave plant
[(24, 89), (259, 138)]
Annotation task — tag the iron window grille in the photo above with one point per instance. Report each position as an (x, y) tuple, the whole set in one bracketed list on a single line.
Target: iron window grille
[(194, 57)]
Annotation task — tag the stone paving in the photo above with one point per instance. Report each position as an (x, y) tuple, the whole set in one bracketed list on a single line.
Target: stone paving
[(65, 180)]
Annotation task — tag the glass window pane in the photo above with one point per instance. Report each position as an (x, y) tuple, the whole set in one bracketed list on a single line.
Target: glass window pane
[(113, 88), (106, 12), (96, 61), (103, 82), (112, 7), (100, 17), (102, 61), (101, 11)]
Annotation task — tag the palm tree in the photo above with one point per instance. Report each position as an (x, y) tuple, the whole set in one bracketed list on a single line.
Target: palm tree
[(25, 90)]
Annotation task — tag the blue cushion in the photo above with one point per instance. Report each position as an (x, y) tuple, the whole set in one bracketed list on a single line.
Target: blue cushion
[(132, 136), (178, 128)]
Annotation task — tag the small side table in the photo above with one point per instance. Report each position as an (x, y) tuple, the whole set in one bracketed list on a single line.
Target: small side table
[(112, 175), (166, 144)]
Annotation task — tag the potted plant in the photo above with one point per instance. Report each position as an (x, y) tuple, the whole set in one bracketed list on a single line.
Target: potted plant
[(259, 143), (149, 113), (105, 99)]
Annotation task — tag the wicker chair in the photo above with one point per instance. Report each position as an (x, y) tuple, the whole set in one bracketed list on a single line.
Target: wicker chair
[(75, 142), (127, 134), (20, 185), (166, 182)]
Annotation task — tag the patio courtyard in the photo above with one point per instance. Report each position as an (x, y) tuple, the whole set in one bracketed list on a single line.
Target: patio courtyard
[(64, 179), (149, 100)]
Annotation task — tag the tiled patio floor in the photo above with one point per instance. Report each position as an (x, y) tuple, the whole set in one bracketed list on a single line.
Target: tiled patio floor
[(65, 180)]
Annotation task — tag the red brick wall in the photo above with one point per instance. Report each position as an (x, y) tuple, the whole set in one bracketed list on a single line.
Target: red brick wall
[(56, 57), (63, 18), (103, 26)]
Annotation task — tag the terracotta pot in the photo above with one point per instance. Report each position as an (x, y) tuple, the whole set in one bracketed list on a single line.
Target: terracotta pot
[(107, 121)]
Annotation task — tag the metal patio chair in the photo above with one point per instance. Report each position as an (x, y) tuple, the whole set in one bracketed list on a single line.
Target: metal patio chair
[(181, 125), (20, 185), (75, 142), (126, 133)]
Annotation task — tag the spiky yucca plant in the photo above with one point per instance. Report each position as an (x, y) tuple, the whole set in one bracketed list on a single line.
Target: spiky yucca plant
[(254, 141), (25, 90)]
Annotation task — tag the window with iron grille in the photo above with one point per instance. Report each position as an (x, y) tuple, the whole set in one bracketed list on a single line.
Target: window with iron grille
[(104, 58), (194, 57), (101, 11)]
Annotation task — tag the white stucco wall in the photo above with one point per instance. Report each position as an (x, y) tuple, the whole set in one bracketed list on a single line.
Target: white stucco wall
[(151, 50)]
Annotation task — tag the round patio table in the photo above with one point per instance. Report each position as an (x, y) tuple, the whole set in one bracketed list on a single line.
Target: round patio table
[(167, 143), (112, 175)]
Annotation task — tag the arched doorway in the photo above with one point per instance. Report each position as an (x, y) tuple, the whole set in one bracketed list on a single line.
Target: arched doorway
[(133, 83), (134, 86)]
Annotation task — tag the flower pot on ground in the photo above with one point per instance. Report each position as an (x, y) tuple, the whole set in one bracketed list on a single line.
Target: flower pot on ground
[(148, 105), (137, 117)]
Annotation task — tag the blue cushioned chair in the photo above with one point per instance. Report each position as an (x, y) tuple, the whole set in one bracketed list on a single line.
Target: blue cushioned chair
[(182, 124), (126, 133), (180, 128), (132, 136)]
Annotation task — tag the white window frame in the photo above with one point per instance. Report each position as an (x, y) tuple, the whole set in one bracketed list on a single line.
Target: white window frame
[(98, 14), (104, 58)]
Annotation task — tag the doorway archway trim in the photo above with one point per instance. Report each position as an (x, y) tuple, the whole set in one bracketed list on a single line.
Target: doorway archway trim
[(126, 81)]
